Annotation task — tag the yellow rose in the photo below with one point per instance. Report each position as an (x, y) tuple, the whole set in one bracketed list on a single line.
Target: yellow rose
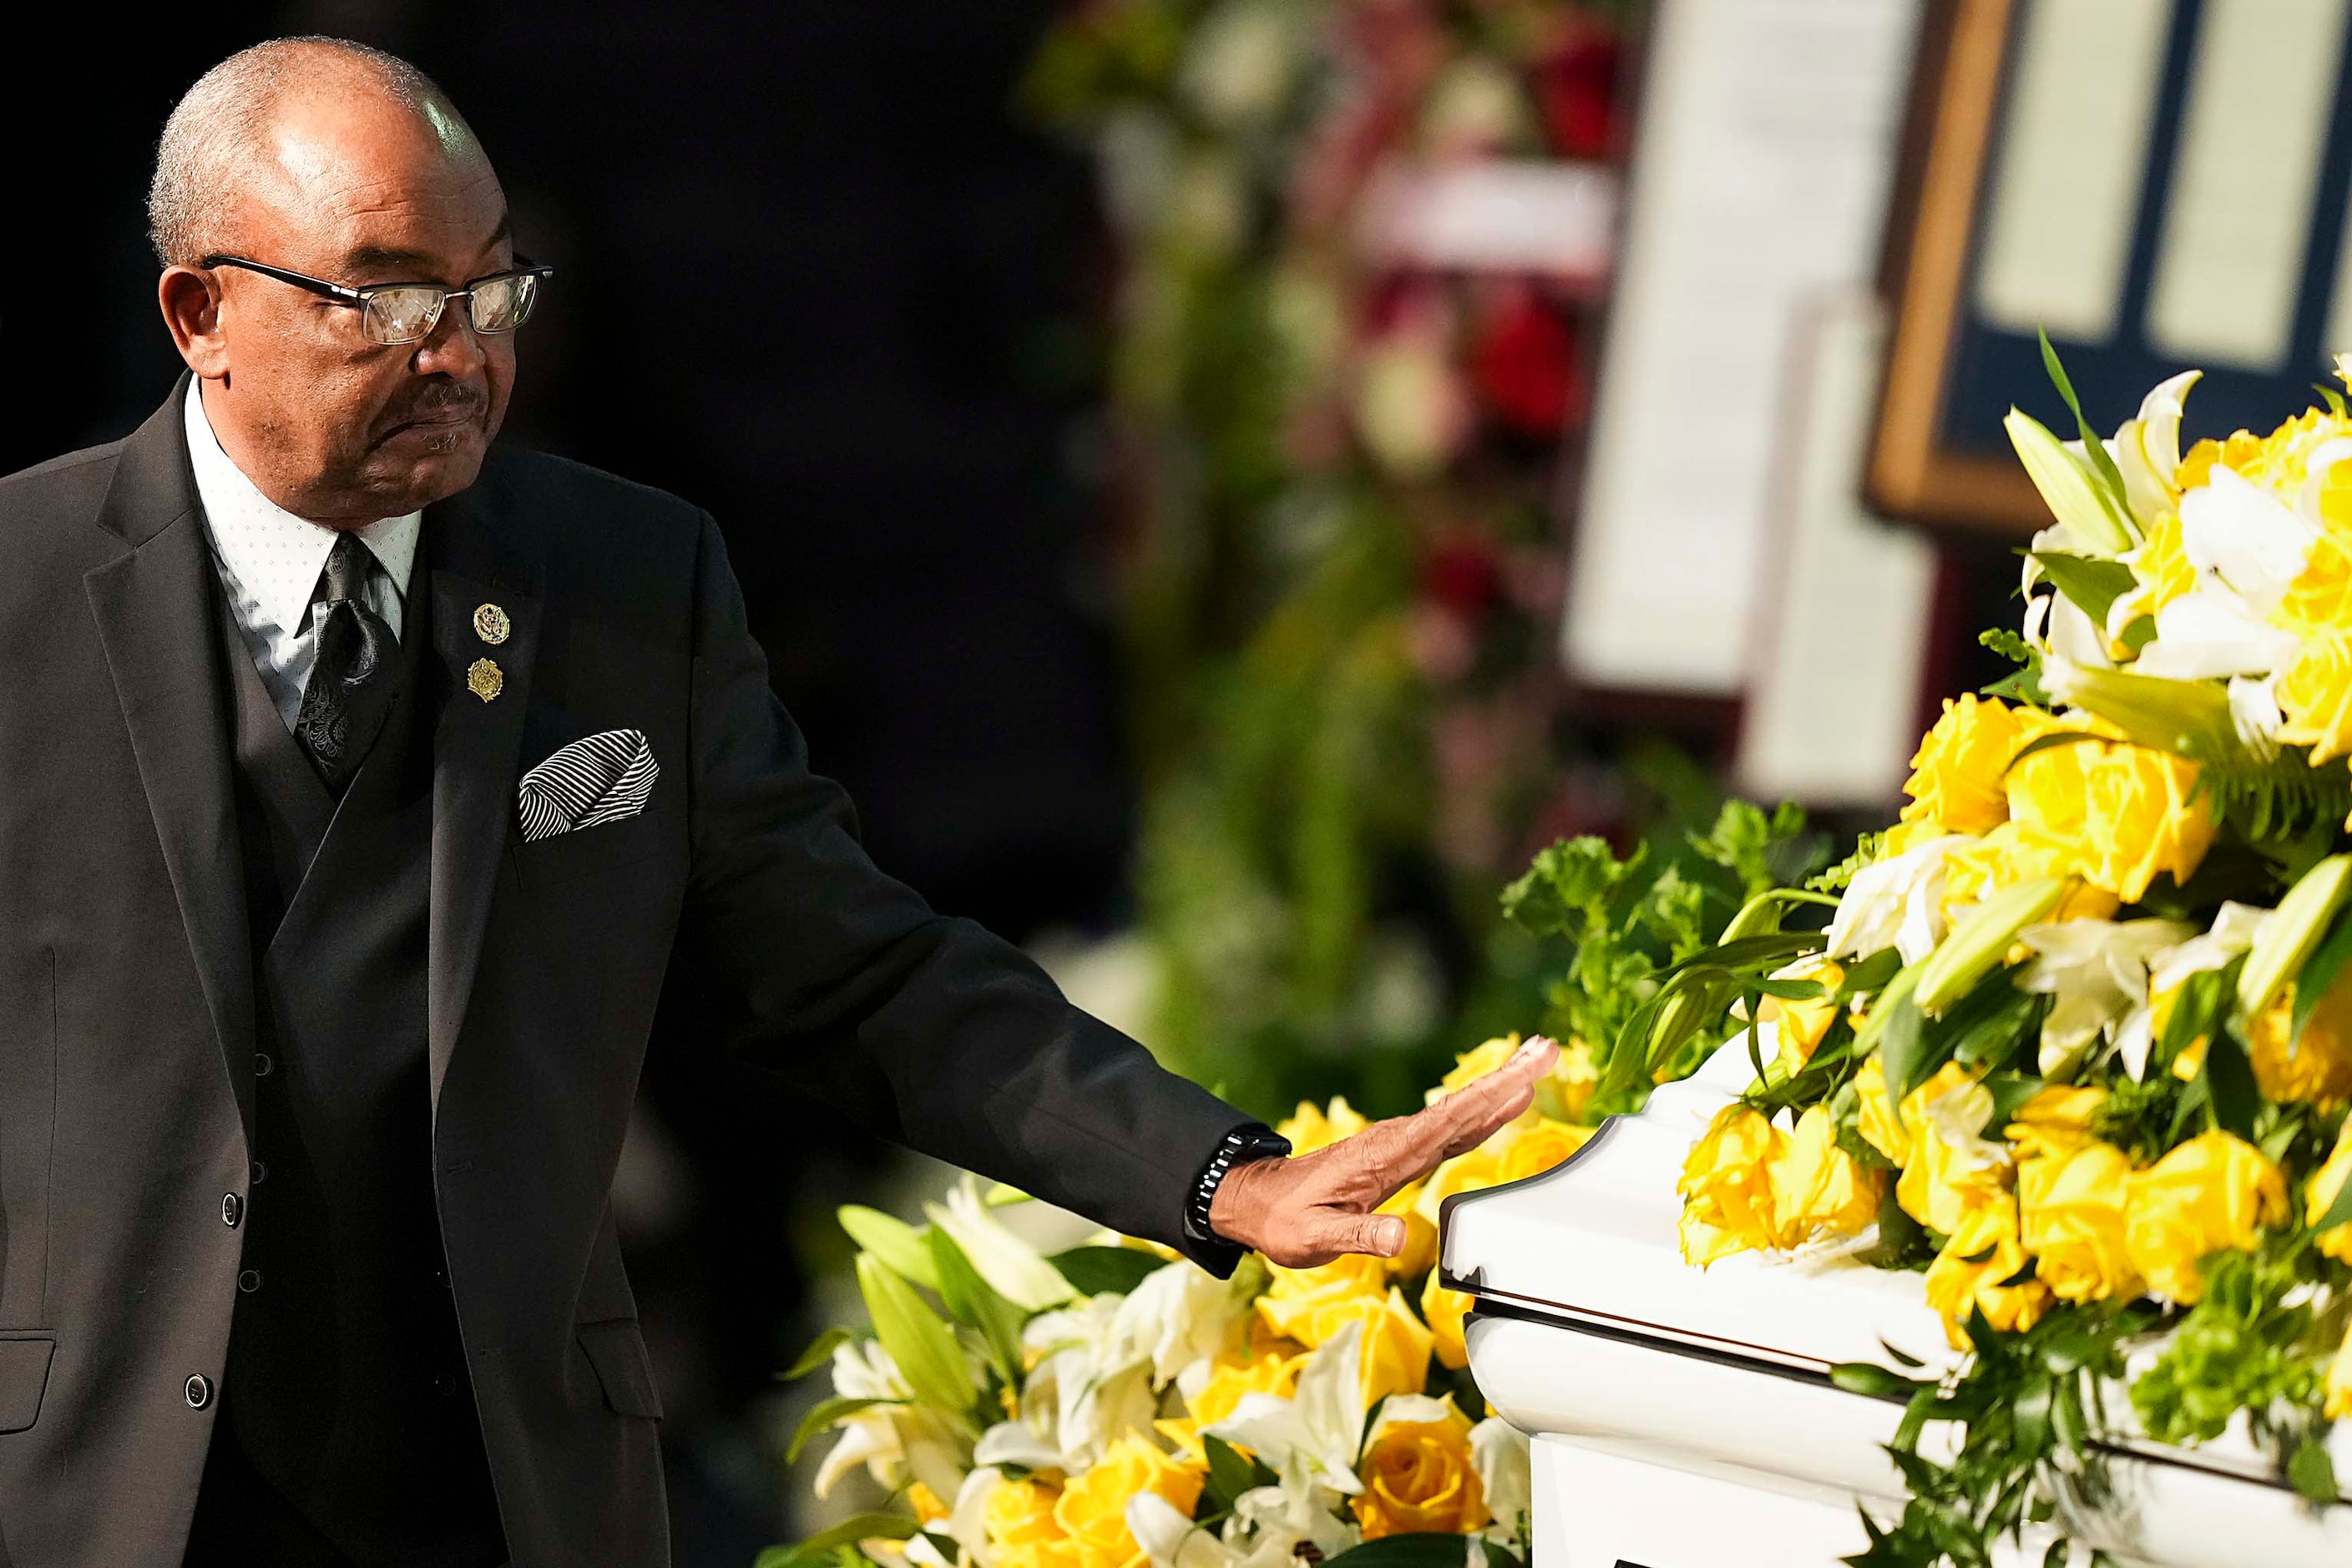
[(2339, 1382), (1468, 1172), (2117, 814), (929, 1509), (1444, 1309), (2317, 1067), (1726, 1187), (1819, 1189), (1475, 1064), (2161, 564), (2071, 1207), (1092, 1511), (1956, 779), (1310, 1305), (1022, 1530), (1534, 1144), (1571, 1083), (1395, 1347), (1309, 1129), (1419, 1480), (1802, 1025), (1265, 1372), (1954, 1169), (2010, 854), (2211, 1192), (1879, 1126), (2320, 1196), (2057, 1120), (1977, 1271), (2314, 696)]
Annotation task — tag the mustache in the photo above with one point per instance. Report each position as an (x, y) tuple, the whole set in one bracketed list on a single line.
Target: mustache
[(436, 401)]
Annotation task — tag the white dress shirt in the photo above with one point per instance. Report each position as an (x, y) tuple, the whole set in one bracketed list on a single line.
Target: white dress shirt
[(271, 563)]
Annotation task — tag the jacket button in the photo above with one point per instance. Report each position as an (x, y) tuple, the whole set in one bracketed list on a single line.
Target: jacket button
[(260, 1172), (262, 1065), (444, 1384), (232, 1210), (200, 1391), (249, 1282)]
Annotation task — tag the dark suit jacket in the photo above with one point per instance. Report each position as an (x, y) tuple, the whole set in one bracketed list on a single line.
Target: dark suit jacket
[(126, 989)]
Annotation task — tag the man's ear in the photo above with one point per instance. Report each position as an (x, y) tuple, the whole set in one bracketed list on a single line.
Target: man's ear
[(191, 302)]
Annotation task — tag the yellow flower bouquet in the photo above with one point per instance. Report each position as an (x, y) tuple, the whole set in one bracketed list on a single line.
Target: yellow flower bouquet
[(2074, 1037), (1114, 1404)]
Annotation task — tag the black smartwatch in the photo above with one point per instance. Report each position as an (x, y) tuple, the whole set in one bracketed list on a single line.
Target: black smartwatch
[(1253, 1140)]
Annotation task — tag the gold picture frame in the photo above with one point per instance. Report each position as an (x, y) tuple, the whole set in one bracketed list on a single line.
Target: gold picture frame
[(1910, 473)]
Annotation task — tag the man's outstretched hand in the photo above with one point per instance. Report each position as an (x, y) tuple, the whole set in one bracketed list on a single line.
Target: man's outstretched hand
[(1314, 1207)]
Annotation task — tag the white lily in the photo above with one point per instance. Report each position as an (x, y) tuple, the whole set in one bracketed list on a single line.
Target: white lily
[(2147, 449), (2255, 713), (1321, 1427), (1499, 1452), (1268, 1527), (2232, 933), (868, 1437), (1096, 1385), (967, 1521), (1013, 1269), (1898, 902), (2212, 631), (1181, 1316), (2256, 543), (1017, 1443), (2097, 971)]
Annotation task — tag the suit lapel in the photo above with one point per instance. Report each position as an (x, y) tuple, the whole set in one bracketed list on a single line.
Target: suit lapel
[(476, 749), (155, 618)]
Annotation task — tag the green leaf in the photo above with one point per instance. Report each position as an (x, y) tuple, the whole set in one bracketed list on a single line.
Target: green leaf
[(1097, 1269), (1980, 944), (1874, 1381), (821, 1418), (2287, 940), (1403, 1552), (924, 1348), (819, 1353), (2321, 969), (1868, 976), (1901, 1048), (2230, 1081), (891, 1240), (2311, 1472), (2093, 584), (2095, 448), (972, 1301), (857, 1527), (2050, 742), (2334, 398), (1230, 1473)]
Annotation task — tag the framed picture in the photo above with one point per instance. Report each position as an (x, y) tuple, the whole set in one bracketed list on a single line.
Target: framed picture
[(2155, 184)]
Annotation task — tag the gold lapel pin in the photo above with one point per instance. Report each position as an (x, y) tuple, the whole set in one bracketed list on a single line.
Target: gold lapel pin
[(483, 680), (490, 624)]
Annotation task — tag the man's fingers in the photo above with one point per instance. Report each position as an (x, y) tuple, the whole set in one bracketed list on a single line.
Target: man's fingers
[(1380, 1234), (1410, 1147)]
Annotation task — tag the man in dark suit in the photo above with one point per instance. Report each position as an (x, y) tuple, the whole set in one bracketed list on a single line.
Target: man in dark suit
[(362, 781)]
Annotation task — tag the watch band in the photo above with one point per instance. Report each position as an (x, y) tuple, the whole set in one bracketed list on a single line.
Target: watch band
[(1253, 1140)]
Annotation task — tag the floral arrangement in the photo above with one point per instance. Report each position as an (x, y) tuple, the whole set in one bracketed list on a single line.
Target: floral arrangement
[(2073, 1038), (1115, 1404), (1333, 471)]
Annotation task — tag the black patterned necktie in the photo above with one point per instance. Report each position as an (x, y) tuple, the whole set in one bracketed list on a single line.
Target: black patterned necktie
[(354, 675)]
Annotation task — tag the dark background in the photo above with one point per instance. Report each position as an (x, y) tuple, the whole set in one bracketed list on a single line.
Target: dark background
[(816, 276)]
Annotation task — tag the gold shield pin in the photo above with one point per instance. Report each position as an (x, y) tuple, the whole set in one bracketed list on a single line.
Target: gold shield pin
[(483, 680), (490, 624)]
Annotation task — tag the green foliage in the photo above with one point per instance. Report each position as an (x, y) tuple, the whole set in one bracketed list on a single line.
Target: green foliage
[(2251, 1344), (822, 1547), (2024, 684), (1094, 1269), (1751, 846), (2030, 1404)]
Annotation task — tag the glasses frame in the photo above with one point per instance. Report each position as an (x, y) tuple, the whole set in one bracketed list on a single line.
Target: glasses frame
[(357, 298)]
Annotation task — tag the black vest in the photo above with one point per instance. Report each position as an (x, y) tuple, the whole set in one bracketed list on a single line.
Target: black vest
[(347, 1433)]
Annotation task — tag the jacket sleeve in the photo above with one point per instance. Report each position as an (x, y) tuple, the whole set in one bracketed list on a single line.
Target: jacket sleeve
[(925, 1030)]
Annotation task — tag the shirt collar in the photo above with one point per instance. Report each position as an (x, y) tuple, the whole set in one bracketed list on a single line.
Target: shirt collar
[(276, 556)]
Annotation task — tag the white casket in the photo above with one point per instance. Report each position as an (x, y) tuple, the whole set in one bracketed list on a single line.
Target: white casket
[(1687, 1420)]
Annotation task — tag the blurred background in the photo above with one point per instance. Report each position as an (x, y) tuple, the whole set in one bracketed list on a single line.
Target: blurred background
[(1222, 481)]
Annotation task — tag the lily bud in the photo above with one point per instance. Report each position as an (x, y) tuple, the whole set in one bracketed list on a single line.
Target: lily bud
[(1976, 946), (2067, 487), (2285, 941)]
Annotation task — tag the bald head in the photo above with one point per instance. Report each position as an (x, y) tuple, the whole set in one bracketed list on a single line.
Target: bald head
[(249, 130)]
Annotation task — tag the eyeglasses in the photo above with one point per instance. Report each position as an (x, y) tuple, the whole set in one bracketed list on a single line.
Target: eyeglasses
[(408, 313)]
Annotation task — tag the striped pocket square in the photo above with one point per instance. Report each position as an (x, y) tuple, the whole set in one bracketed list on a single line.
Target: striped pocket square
[(595, 779)]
